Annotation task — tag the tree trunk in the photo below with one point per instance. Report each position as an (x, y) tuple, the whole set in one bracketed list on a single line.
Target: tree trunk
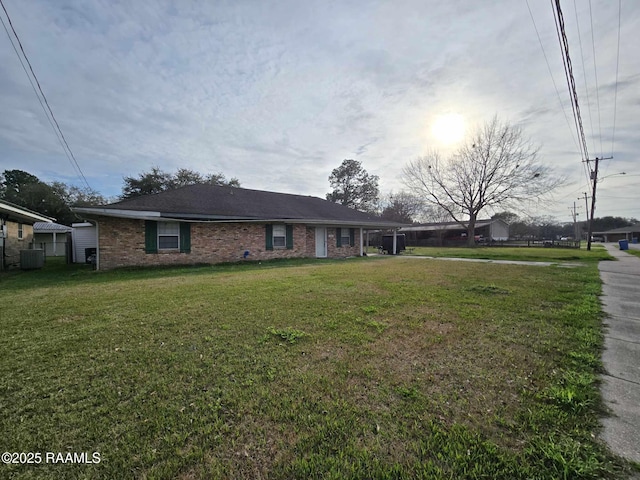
[(471, 231)]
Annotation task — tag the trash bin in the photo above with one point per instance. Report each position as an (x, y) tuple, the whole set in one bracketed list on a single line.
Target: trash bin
[(90, 255), (624, 244), (634, 240)]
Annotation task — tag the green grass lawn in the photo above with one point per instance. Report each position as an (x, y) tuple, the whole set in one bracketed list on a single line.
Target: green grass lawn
[(536, 254), (366, 368), (633, 252)]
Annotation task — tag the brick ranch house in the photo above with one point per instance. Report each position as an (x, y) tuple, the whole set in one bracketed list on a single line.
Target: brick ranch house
[(16, 232), (212, 224)]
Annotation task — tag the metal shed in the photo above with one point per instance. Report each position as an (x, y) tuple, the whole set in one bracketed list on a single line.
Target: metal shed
[(84, 236)]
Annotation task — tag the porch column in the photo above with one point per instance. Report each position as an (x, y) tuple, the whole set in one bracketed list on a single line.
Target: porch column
[(361, 242), (55, 251)]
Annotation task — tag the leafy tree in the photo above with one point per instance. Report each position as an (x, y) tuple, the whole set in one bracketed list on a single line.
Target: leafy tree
[(508, 217), (602, 224), (353, 187), (51, 199), (221, 180), (14, 182), (157, 181), (147, 183), (495, 167), (84, 197)]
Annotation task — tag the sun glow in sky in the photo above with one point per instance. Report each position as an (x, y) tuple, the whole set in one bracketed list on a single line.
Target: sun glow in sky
[(449, 128)]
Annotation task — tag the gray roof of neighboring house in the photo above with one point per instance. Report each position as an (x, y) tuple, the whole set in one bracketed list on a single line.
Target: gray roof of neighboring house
[(216, 203), (44, 227), (629, 229), (16, 213)]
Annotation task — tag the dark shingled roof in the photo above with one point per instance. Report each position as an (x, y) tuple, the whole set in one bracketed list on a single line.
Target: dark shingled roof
[(231, 203)]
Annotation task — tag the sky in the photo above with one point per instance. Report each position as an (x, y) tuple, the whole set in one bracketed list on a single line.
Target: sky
[(279, 93)]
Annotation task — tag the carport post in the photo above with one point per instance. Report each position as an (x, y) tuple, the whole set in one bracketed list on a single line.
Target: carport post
[(395, 241)]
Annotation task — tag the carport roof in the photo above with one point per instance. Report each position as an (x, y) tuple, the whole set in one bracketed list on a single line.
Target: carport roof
[(47, 227), (425, 227), (16, 213), (629, 229)]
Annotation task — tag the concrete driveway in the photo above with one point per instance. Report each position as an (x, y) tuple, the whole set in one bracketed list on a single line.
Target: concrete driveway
[(621, 356)]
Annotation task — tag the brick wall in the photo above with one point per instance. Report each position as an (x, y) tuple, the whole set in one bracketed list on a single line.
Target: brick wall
[(122, 243), (333, 251), (13, 245)]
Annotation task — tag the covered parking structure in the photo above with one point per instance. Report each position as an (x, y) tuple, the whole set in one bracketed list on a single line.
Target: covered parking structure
[(453, 234), (623, 233)]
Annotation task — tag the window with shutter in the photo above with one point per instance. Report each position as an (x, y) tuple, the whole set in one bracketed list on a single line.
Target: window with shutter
[(268, 235), (150, 236), (185, 237), (289, 237)]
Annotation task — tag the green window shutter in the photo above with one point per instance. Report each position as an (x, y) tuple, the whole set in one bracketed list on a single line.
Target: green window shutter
[(150, 236), (185, 237), (289, 236), (338, 237), (269, 236), (352, 236)]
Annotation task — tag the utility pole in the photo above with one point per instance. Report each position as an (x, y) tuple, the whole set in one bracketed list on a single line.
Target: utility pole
[(574, 214), (594, 177), (586, 205)]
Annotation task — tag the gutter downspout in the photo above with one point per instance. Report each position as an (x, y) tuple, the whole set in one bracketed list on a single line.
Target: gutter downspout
[(97, 245), (3, 225)]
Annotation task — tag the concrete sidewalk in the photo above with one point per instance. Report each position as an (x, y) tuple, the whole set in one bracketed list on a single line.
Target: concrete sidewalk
[(621, 356)]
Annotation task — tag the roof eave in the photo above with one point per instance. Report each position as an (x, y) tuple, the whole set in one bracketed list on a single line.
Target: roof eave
[(198, 218), (16, 213)]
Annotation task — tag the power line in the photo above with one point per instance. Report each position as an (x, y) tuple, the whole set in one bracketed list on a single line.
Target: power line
[(584, 70), (595, 74), (551, 75), (615, 96), (571, 84), (44, 109), (72, 158)]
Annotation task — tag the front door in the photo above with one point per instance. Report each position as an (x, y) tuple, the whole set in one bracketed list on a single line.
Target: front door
[(321, 242)]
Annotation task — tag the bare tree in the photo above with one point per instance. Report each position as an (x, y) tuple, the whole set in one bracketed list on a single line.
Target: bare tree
[(402, 207), (497, 167)]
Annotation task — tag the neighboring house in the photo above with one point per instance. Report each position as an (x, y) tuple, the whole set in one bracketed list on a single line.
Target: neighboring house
[(16, 232), (51, 237), (212, 224), (452, 233), (622, 233)]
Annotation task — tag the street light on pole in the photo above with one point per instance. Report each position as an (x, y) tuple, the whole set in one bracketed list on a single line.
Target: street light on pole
[(611, 175)]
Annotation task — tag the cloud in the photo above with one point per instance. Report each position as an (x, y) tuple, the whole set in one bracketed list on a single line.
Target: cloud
[(278, 94)]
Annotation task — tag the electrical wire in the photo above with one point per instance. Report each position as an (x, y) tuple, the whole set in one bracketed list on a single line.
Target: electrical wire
[(555, 86), (615, 95), (44, 109), (595, 73), (571, 84), (584, 70), (70, 155)]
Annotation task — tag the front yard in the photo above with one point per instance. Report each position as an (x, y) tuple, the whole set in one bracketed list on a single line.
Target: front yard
[(366, 368)]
